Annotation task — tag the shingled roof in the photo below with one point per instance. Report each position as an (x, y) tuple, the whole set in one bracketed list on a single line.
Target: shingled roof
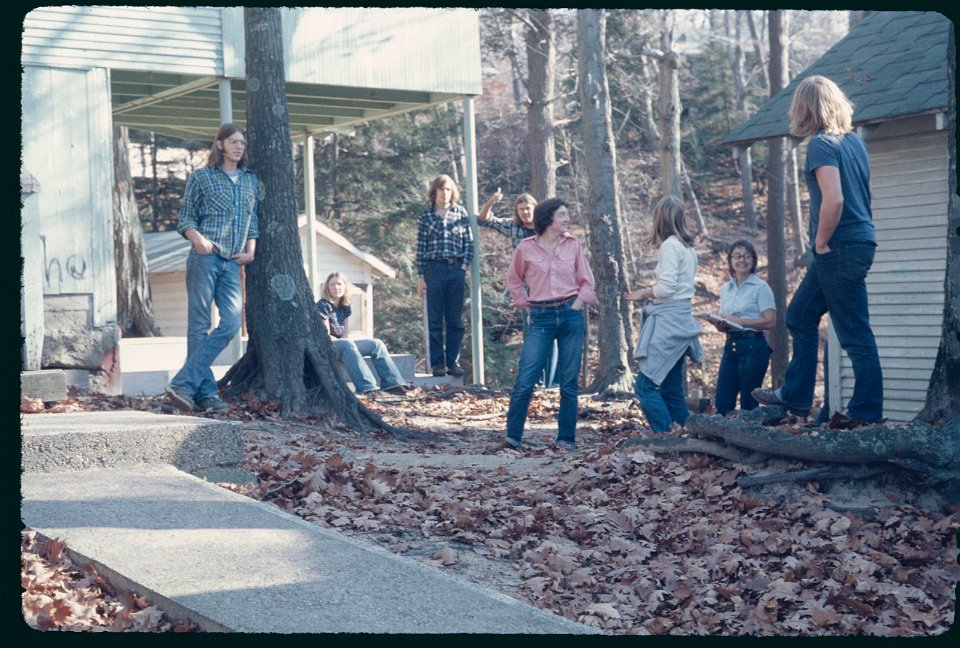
[(894, 63)]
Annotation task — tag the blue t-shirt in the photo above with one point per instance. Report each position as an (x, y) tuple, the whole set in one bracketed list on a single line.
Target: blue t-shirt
[(848, 154)]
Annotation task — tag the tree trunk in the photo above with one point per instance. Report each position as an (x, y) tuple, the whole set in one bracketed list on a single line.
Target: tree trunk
[(650, 130), (793, 203), (602, 209), (542, 73), (744, 158), (694, 203), (289, 357), (943, 394), (757, 39), (134, 304), (669, 103), (776, 246)]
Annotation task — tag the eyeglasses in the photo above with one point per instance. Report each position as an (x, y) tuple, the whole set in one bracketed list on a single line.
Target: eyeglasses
[(241, 143), (742, 257)]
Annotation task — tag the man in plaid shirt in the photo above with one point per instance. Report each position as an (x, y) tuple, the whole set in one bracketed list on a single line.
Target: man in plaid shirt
[(444, 252), (219, 217)]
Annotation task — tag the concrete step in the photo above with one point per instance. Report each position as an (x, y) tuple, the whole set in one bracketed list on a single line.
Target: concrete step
[(85, 440), (230, 563), (429, 380)]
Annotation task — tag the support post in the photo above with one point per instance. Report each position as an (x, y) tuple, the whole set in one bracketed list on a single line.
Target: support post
[(310, 207), (476, 311)]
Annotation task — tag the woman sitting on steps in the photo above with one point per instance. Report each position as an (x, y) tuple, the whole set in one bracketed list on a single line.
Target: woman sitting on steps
[(335, 308)]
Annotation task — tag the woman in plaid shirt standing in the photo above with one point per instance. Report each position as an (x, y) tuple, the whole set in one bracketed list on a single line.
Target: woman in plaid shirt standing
[(444, 252)]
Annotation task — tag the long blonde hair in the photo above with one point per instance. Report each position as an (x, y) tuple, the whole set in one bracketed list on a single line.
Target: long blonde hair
[(819, 104), (345, 299), (668, 220), (522, 198)]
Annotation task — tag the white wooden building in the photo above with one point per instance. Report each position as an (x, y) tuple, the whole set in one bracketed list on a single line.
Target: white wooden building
[(893, 67), (180, 71)]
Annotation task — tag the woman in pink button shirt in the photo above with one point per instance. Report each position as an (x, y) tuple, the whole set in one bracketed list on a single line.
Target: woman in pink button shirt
[(558, 276)]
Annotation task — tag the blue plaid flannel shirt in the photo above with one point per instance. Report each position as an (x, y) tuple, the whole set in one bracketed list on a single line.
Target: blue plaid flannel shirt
[(223, 211), (448, 237)]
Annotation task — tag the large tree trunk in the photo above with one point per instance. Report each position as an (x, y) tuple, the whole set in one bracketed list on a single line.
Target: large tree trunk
[(134, 304), (542, 72), (603, 207), (289, 357), (776, 245), (744, 159), (943, 394)]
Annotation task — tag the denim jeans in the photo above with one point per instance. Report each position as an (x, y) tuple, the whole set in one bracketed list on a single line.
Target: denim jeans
[(445, 294), (351, 352), (210, 279), (663, 404), (835, 283), (742, 368), (566, 326), (549, 376)]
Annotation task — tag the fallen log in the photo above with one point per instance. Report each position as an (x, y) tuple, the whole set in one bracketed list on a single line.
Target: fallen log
[(917, 445)]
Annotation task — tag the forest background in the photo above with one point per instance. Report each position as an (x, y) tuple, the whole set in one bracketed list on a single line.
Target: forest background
[(371, 185)]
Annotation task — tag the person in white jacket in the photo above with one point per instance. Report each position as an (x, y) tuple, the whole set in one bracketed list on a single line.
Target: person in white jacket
[(669, 332)]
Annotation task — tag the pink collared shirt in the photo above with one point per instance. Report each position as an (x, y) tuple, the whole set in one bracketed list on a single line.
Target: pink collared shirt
[(565, 273)]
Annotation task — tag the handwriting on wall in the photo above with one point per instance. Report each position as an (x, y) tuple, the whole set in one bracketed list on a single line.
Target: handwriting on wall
[(74, 265)]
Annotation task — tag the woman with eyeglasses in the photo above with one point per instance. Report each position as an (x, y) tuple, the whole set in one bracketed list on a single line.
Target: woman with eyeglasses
[(748, 301)]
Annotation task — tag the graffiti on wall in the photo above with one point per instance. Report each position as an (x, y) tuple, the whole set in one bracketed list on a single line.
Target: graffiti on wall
[(75, 267)]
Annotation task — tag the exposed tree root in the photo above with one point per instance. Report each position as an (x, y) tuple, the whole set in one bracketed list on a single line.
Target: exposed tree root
[(680, 444), (816, 474)]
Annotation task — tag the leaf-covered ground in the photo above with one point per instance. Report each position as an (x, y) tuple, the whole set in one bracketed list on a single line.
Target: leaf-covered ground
[(60, 595), (623, 540)]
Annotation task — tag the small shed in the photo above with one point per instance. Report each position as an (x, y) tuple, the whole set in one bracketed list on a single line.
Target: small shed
[(893, 67), (167, 260)]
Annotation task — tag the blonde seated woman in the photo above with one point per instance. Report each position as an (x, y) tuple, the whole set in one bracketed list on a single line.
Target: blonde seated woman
[(334, 307)]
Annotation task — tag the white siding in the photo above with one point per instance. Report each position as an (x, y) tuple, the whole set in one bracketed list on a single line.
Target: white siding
[(169, 293), (67, 145), (909, 165), (418, 49), (184, 40)]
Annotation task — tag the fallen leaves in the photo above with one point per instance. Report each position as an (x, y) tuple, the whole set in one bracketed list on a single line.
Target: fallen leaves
[(58, 595), (631, 542)]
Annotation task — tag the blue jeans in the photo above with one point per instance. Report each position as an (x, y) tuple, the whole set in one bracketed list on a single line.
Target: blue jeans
[(742, 368), (835, 283), (445, 294), (566, 326), (663, 404), (210, 279), (549, 376), (351, 352)]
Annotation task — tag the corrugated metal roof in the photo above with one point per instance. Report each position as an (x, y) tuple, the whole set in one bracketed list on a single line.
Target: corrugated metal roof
[(167, 251), (893, 64)]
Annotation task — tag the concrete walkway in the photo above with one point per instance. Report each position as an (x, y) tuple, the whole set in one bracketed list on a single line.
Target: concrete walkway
[(231, 563)]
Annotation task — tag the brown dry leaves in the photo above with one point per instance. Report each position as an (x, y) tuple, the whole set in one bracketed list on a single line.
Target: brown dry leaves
[(627, 541), (58, 595)]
